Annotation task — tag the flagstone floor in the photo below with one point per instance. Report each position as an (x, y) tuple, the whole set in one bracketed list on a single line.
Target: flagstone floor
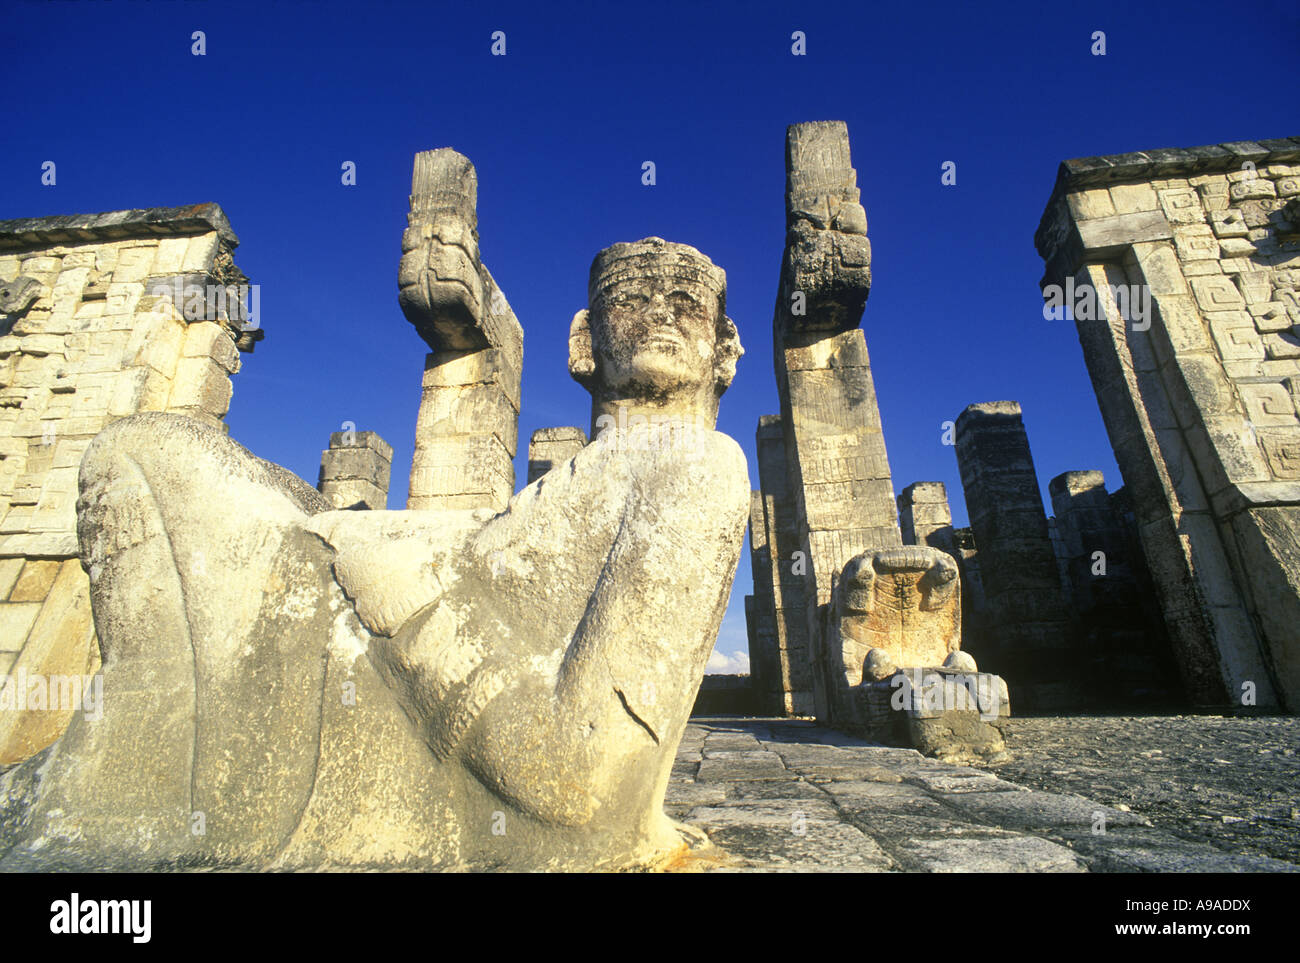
[(787, 795)]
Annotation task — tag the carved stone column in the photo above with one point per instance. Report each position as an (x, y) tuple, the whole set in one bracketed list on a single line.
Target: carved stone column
[(467, 429)]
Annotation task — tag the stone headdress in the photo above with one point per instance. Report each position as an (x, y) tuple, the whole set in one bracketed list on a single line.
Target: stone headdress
[(653, 257)]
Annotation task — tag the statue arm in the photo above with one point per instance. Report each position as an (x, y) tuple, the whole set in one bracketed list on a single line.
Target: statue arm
[(641, 567)]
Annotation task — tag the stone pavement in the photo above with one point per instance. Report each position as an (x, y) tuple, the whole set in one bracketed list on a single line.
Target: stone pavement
[(1232, 782), (787, 795)]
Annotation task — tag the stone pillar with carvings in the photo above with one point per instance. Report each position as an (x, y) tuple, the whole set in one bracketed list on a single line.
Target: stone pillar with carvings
[(838, 471), (467, 428)]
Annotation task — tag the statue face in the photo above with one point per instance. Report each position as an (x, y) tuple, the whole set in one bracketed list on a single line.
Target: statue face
[(654, 337)]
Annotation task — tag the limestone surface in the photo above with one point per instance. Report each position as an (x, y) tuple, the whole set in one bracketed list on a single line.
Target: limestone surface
[(549, 447), (354, 470)]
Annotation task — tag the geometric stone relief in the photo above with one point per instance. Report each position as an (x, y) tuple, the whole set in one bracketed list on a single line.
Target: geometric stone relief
[(1268, 405)]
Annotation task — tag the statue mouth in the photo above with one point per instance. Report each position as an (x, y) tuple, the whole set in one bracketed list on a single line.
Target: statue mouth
[(665, 339)]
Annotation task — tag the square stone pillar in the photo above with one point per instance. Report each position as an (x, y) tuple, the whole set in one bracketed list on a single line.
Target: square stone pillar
[(467, 429), (465, 434), (925, 517), (841, 493), (760, 616), (355, 470), (1028, 639), (549, 447), (790, 692)]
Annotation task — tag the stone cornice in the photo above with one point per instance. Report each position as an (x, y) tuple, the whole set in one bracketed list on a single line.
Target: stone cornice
[(1084, 172), (30, 232)]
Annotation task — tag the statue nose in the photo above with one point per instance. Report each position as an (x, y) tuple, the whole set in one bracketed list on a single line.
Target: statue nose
[(659, 307)]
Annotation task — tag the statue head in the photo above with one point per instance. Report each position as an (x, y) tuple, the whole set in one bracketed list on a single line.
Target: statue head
[(655, 336)]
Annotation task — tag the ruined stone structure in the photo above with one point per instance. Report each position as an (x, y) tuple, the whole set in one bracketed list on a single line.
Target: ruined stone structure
[(354, 470), (840, 605), (836, 485), (101, 316), (1067, 620), (1181, 269), (1028, 635), (924, 516), (421, 689), (468, 425), (549, 447), (896, 672)]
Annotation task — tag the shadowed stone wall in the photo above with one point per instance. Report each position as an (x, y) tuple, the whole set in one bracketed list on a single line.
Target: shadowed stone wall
[(781, 663), (1127, 651)]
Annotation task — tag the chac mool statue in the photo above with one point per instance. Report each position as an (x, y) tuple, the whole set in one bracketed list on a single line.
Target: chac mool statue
[(292, 687)]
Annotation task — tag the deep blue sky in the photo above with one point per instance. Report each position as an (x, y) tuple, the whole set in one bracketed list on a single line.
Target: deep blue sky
[(559, 128)]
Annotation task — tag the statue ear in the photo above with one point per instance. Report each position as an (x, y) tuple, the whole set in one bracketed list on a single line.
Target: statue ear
[(582, 364), (727, 354)]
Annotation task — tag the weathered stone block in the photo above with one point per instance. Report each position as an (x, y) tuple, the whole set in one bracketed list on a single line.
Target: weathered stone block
[(169, 257), (1228, 223), (208, 339), (1251, 188), (1216, 294), (550, 447), (1234, 333), (1091, 203), (1181, 206), (1268, 405), (16, 620), (60, 646), (1131, 198), (1196, 243), (202, 385), (34, 582)]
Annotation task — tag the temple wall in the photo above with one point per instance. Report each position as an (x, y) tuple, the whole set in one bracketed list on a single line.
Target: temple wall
[(87, 337), (1199, 392)]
